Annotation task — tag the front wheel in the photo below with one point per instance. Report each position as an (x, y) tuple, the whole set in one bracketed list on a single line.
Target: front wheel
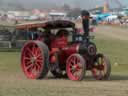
[(102, 68), (75, 67)]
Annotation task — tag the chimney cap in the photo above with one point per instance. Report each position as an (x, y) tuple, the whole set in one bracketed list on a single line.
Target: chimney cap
[(85, 13)]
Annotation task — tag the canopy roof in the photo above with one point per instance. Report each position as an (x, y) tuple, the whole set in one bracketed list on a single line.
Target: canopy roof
[(47, 25)]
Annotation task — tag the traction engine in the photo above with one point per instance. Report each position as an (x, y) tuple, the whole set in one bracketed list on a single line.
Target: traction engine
[(64, 54)]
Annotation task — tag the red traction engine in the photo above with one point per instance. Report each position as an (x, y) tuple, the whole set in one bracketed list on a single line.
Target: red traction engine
[(63, 51)]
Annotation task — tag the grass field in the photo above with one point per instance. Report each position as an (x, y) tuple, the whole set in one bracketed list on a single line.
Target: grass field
[(14, 83)]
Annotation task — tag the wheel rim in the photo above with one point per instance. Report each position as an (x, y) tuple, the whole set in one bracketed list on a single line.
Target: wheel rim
[(74, 68), (32, 60), (100, 68)]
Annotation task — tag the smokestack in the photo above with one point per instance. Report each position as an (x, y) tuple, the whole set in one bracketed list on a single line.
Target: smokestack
[(85, 21)]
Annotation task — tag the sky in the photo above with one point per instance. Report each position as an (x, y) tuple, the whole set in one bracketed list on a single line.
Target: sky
[(91, 3), (84, 4)]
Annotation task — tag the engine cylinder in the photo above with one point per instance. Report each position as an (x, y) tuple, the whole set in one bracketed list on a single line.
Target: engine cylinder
[(82, 49), (71, 49)]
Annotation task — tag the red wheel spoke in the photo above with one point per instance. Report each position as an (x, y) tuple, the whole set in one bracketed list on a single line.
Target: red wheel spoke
[(27, 58), (78, 69), (27, 63), (29, 55), (36, 68), (29, 67), (75, 60), (38, 65), (72, 61), (70, 65), (37, 52), (33, 70), (72, 71), (29, 50), (80, 65), (40, 61), (39, 56), (34, 49)]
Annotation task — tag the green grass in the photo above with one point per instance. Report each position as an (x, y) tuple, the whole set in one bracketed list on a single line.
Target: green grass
[(9, 50), (116, 50), (9, 61)]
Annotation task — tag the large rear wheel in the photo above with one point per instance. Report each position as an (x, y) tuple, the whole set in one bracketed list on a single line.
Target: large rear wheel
[(76, 67), (102, 68), (35, 60)]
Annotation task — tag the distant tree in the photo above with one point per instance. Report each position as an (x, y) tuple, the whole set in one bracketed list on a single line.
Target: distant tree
[(75, 12), (66, 7)]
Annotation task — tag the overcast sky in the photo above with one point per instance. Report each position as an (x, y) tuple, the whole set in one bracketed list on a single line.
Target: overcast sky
[(82, 3)]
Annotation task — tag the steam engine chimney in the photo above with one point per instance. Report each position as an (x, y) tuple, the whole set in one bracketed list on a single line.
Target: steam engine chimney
[(85, 21)]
